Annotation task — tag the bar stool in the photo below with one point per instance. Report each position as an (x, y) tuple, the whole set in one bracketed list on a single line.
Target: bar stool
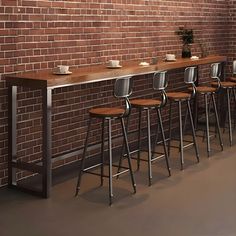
[(179, 97), (159, 85), (228, 87), (207, 91), (122, 90)]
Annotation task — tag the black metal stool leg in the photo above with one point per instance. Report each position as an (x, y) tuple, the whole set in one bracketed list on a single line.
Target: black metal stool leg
[(217, 121), (229, 117), (184, 125), (156, 139), (209, 112), (170, 122), (139, 138), (193, 130), (207, 125), (102, 151), (181, 136), (123, 149), (128, 154), (217, 107), (149, 148), (185, 120), (110, 161), (234, 94), (164, 141), (83, 159), (195, 111)]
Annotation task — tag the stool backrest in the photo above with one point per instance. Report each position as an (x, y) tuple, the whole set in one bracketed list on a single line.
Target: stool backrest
[(234, 68), (216, 73), (159, 84), (190, 77), (123, 89), (216, 70), (159, 81)]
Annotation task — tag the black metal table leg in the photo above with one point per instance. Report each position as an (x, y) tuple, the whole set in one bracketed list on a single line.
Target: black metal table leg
[(110, 162), (102, 151), (47, 146), (12, 148)]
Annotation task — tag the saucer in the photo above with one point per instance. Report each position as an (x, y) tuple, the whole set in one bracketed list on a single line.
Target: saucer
[(114, 67), (59, 73), (194, 58), (143, 63), (170, 60)]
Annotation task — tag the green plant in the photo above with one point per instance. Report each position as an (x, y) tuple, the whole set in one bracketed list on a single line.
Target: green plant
[(185, 34)]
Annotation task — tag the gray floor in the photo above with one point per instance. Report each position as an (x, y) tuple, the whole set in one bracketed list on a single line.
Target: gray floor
[(199, 201)]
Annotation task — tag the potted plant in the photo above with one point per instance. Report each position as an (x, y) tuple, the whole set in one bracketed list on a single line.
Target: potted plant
[(187, 37)]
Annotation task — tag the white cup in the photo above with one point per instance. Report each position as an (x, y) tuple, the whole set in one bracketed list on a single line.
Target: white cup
[(170, 57), (114, 63), (63, 69)]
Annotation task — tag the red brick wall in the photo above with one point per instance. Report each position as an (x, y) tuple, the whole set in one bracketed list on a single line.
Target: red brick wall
[(41, 34)]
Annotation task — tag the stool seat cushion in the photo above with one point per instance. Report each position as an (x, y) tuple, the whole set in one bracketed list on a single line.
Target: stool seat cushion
[(206, 89), (224, 84), (233, 79), (106, 112), (178, 96), (145, 102)]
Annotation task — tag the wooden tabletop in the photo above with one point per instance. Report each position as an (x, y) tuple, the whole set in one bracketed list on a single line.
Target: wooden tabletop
[(90, 74)]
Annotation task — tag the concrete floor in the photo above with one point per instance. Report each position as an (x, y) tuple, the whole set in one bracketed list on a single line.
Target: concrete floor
[(199, 201)]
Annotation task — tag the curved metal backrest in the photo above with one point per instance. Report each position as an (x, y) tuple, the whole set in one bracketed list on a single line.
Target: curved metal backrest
[(234, 67), (159, 84), (159, 81), (123, 89), (216, 70), (190, 77), (216, 73)]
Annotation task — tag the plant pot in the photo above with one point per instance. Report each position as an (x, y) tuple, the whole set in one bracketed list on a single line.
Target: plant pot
[(186, 51)]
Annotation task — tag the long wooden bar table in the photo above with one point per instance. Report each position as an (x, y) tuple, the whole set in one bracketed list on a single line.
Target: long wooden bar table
[(47, 81)]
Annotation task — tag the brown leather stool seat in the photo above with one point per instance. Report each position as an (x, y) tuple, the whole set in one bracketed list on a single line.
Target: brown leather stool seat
[(178, 96), (107, 112), (138, 103), (206, 89), (233, 79), (224, 84)]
